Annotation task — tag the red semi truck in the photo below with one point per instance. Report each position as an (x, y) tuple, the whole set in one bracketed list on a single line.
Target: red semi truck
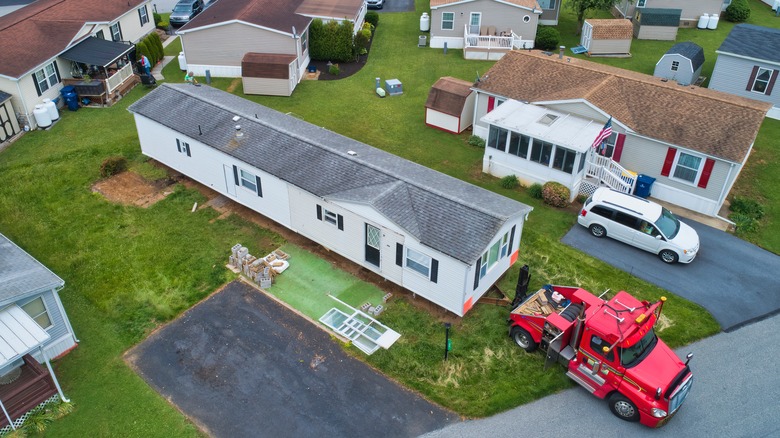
[(607, 346)]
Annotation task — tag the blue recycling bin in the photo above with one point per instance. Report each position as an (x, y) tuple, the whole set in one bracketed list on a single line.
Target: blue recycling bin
[(644, 184), (69, 97)]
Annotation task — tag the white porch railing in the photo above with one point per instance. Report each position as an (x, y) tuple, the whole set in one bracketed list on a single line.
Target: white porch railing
[(119, 77), (610, 173), (506, 42)]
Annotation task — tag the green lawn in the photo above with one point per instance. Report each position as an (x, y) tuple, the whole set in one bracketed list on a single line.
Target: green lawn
[(128, 269)]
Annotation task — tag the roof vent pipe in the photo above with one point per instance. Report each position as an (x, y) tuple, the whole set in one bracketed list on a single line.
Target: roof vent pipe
[(560, 53), (239, 134)]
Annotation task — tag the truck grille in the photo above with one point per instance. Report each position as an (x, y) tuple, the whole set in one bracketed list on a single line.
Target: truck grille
[(679, 394)]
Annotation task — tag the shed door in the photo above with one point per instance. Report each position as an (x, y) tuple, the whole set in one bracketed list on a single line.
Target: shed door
[(587, 34), (6, 125), (373, 240)]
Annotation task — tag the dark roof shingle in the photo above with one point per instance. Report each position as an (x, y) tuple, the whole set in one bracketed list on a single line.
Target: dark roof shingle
[(448, 95), (21, 274), (690, 50), (753, 41)]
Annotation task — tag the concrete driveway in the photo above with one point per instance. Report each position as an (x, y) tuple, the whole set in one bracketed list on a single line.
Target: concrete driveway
[(737, 282), (241, 364)]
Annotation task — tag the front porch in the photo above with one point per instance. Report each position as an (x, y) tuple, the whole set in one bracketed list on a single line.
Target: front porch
[(106, 86), (490, 44), (28, 386), (603, 171)]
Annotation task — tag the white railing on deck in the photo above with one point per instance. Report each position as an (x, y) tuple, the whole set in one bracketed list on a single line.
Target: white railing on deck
[(488, 41), (119, 77), (610, 173)]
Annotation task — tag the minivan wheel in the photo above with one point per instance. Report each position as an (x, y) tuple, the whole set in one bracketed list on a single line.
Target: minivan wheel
[(597, 230), (668, 256)]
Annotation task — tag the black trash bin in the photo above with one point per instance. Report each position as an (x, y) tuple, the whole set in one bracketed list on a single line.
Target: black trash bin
[(643, 185), (69, 97)]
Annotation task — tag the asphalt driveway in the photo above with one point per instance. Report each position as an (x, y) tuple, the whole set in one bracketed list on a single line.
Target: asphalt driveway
[(241, 364), (737, 282), (396, 6)]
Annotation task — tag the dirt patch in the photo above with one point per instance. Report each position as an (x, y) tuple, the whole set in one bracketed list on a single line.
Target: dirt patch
[(130, 188)]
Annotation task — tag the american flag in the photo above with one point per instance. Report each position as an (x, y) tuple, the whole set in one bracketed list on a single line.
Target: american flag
[(606, 131)]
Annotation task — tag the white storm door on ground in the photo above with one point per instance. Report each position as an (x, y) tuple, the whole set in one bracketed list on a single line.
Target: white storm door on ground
[(230, 181)]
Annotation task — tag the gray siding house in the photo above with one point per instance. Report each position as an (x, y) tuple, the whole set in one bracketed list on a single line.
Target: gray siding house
[(681, 63), (441, 238), (690, 10), (748, 64)]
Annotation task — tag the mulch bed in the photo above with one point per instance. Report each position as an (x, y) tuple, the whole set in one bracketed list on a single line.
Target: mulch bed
[(347, 69)]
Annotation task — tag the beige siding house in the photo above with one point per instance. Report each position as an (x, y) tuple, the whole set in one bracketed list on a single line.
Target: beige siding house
[(543, 127)]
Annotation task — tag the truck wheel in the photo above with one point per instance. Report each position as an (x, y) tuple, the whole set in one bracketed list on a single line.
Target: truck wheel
[(668, 256), (597, 230), (623, 408), (523, 339)]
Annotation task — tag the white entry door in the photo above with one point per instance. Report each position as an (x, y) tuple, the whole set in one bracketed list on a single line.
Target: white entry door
[(474, 23), (230, 181)]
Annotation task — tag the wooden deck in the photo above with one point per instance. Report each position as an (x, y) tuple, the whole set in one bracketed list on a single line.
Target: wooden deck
[(33, 387)]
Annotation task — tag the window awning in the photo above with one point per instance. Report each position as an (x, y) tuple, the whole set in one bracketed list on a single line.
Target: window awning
[(19, 334), (97, 51)]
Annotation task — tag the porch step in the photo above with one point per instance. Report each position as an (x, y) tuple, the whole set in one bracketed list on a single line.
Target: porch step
[(28, 399), (584, 383)]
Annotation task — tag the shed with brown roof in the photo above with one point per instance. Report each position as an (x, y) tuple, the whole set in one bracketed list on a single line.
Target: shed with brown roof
[(268, 74), (607, 36), (450, 105)]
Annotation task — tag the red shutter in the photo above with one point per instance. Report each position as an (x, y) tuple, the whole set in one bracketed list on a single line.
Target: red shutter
[(670, 154), (752, 78), (771, 82), (618, 147), (491, 103), (705, 174)]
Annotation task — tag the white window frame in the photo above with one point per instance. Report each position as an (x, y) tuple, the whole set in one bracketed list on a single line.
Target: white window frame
[(504, 246), (451, 21), (143, 14), (702, 160), (757, 80), (116, 32), (422, 264), (552, 4), (641, 3), (45, 312), (675, 65), (46, 77), (330, 217), (243, 181)]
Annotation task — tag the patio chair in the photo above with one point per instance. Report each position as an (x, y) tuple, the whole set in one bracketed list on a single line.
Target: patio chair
[(491, 30)]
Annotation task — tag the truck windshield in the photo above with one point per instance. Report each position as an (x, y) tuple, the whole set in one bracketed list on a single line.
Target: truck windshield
[(668, 223), (634, 354)]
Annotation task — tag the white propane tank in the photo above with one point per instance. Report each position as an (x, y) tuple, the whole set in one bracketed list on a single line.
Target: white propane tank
[(51, 107), (42, 116), (182, 62), (425, 22), (703, 21), (713, 24)]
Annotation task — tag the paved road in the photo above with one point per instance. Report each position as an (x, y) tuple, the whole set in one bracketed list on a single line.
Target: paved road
[(737, 282), (241, 365), (734, 394)]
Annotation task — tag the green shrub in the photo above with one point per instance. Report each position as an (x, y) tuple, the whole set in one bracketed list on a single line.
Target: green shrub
[(746, 206), (744, 223), (510, 182), (535, 191), (738, 11), (477, 141), (362, 38), (157, 18), (547, 38), (372, 17), (555, 194), (163, 24), (154, 44), (113, 165), (331, 41), (334, 70)]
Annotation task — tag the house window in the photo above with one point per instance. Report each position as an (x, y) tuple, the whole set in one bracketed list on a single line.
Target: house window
[(447, 20), (418, 262), (564, 159), (37, 311), (497, 138), (304, 40), (143, 15), (330, 217), (490, 258), (540, 152), (547, 4), (183, 147), (687, 167), (609, 145), (248, 180), (504, 245), (762, 80), (116, 32), (641, 3), (518, 144), (675, 65), (46, 77), (100, 34)]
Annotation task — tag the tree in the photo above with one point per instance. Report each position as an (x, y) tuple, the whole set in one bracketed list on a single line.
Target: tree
[(580, 6)]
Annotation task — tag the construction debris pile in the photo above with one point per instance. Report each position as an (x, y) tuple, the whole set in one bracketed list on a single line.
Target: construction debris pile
[(261, 270)]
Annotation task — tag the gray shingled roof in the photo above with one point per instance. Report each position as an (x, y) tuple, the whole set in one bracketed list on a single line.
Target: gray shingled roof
[(442, 212), (660, 17), (21, 274), (753, 41), (689, 50)]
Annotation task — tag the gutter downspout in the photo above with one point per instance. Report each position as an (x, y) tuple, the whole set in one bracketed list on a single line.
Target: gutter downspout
[(53, 376), (24, 104), (722, 197)]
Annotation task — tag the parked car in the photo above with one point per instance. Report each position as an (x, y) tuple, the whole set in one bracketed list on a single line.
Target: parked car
[(640, 223), (375, 4), (184, 11)]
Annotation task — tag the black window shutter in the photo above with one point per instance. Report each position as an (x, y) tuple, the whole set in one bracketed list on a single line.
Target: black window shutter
[(341, 222), (511, 239), (434, 270), (119, 26), (35, 81), (772, 82), (178, 145), (235, 174), (57, 71), (319, 212), (399, 254), (753, 75), (140, 17), (259, 186), (476, 273), (187, 146)]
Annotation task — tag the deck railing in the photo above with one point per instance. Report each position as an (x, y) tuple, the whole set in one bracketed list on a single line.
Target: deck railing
[(119, 77), (505, 41), (610, 173)]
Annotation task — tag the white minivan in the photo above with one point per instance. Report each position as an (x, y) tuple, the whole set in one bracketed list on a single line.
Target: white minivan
[(640, 223)]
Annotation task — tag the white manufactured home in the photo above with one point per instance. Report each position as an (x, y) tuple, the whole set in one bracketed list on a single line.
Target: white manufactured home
[(439, 237)]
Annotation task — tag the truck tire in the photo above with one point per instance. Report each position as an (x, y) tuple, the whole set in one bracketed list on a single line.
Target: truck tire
[(523, 339), (570, 313), (623, 408)]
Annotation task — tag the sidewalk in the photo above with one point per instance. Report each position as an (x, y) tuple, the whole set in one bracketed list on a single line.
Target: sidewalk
[(157, 70)]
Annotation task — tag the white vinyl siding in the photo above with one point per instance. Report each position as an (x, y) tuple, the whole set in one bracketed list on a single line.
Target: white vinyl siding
[(732, 75)]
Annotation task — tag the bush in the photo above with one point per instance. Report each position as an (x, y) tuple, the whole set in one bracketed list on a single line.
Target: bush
[(112, 166), (334, 70), (157, 18), (738, 11), (331, 41), (555, 194), (510, 182), (747, 207), (547, 38), (372, 17), (154, 43), (744, 223), (163, 24), (362, 39), (535, 191), (477, 141)]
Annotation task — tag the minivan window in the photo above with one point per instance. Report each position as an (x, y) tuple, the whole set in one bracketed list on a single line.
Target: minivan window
[(601, 211), (668, 223), (625, 219)]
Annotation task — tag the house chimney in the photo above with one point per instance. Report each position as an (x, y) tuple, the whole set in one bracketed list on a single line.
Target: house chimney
[(560, 53)]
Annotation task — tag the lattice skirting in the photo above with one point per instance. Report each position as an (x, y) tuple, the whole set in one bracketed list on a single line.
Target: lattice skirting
[(587, 188), (19, 421)]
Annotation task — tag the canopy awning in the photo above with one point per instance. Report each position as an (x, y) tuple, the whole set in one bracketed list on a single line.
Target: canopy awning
[(97, 51), (19, 334)]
